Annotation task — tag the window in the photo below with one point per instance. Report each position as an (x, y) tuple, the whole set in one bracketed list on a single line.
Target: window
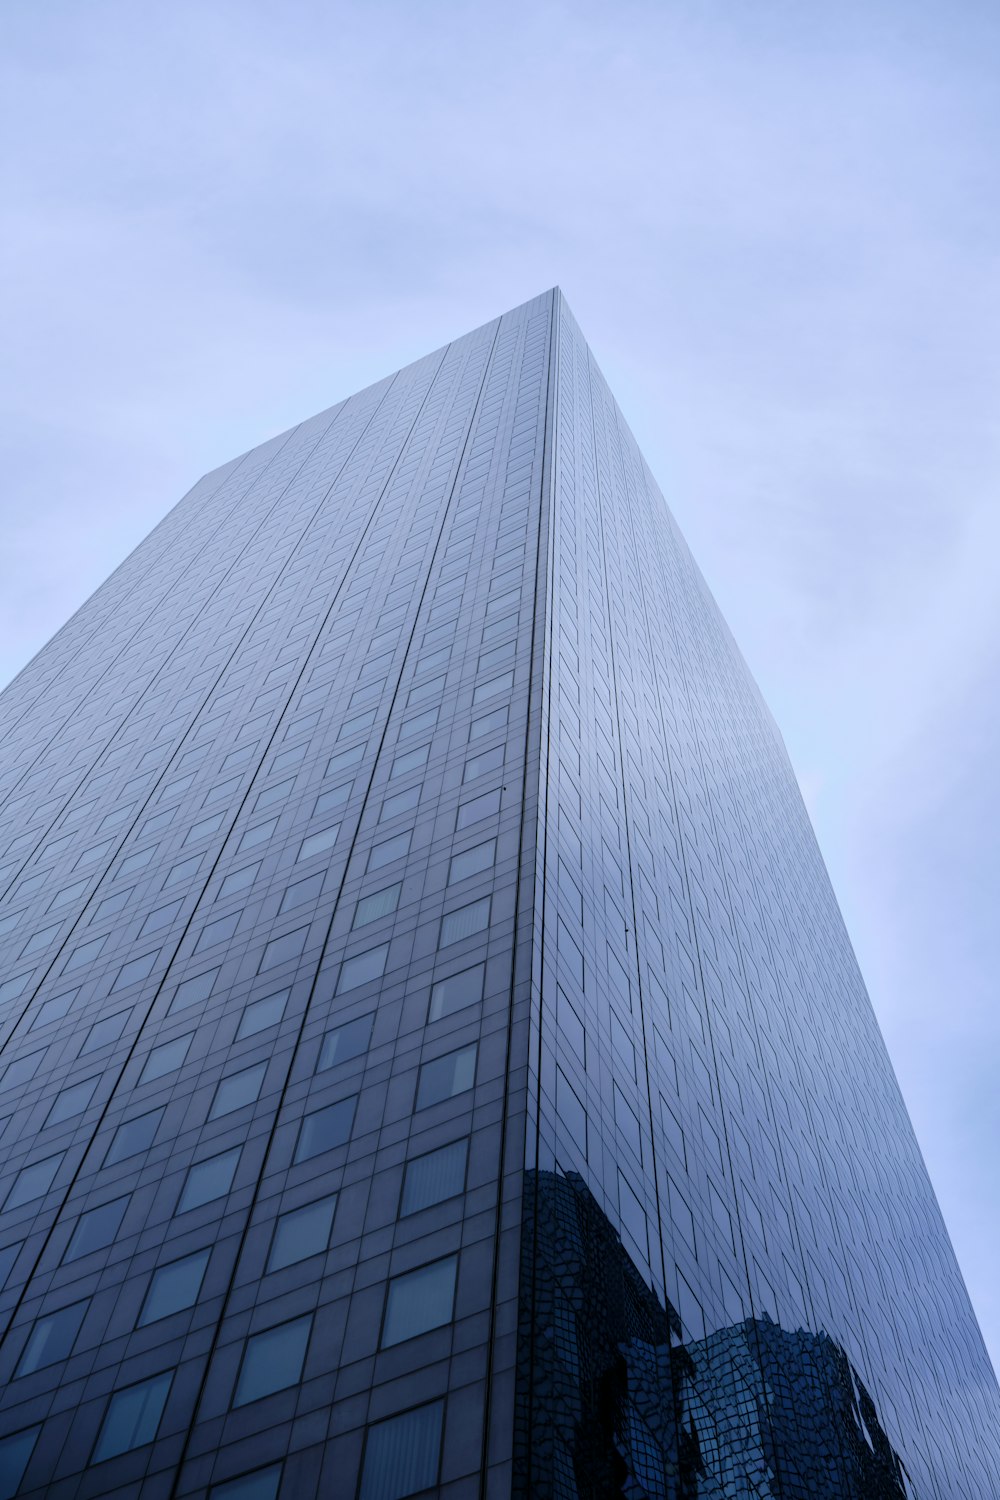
[(401, 802), (39, 940), (487, 723), (261, 1485), (193, 991), (419, 1301), (473, 811), (433, 1178), (15, 1452), (262, 1013), (257, 835), (139, 861), (202, 829), (302, 891), (68, 893), (456, 992), (362, 968), (51, 1339), (208, 1179), (71, 1101), (302, 1232), (472, 861), (237, 1090), (96, 1229), (218, 931), (85, 954), (132, 1418), (446, 1076), (133, 1136), (134, 970), (379, 904), (490, 689), (33, 1182), (166, 1058), (331, 800), (273, 1361), (238, 880), (174, 1287), (277, 792), (350, 1040), (184, 870), (283, 949), (324, 1129), (465, 922), (55, 1009), (412, 760), (345, 760), (317, 843), (103, 1033), (389, 850), (403, 1454), (23, 1068)]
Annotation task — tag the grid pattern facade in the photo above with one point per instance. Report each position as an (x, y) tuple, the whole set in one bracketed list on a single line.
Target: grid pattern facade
[(398, 871)]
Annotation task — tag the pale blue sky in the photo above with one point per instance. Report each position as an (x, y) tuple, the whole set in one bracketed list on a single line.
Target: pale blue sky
[(778, 225)]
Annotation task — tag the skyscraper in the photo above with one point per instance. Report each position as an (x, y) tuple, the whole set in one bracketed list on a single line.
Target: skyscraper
[(433, 1059)]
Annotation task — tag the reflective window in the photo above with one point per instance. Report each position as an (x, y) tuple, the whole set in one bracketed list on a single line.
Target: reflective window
[(133, 1136), (324, 1129), (174, 1287), (96, 1229), (302, 1232), (419, 1301), (166, 1058), (72, 1101), (237, 1090), (208, 1179), (347, 1041), (132, 1418), (52, 1338), (446, 1076), (273, 1361), (456, 992), (403, 1454), (260, 1014), (465, 922), (362, 968), (434, 1177)]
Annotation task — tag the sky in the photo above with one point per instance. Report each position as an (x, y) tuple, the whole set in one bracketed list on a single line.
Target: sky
[(778, 225)]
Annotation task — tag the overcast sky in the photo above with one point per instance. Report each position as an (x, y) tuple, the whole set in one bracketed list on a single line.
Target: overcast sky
[(777, 224)]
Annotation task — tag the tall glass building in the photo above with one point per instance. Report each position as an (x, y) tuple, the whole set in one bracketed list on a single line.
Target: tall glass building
[(433, 1061)]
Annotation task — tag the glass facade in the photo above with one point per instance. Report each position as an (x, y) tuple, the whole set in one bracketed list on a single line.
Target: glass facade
[(433, 1062)]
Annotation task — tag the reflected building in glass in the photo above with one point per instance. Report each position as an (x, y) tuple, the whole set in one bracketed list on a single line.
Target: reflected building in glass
[(433, 1062)]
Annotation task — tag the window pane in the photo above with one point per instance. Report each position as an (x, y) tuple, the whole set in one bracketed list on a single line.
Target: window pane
[(403, 1455), (402, 802), (209, 1179), (446, 1076), (456, 992), (103, 1033), (324, 1129), (334, 798), (419, 1301), (273, 1361), (283, 949), (133, 1417), (262, 1013), (236, 1091), (465, 922), (15, 1451), (362, 968), (434, 1177), (52, 1338), (486, 806), (96, 1229), (238, 880), (72, 1101), (379, 904), (260, 1486), (174, 1287), (389, 850), (132, 1137), (302, 891), (302, 1232), (346, 1042), (317, 842), (166, 1058), (194, 991), (33, 1182)]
